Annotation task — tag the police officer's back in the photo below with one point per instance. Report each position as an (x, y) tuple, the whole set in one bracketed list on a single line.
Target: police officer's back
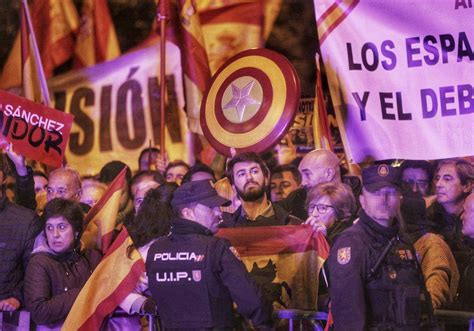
[(195, 277), (375, 282)]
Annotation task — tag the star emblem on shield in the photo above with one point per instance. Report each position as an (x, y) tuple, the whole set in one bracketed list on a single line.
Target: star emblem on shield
[(251, 102)]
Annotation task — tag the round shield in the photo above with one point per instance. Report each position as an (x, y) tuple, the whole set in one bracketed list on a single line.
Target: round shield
[(251, 102)]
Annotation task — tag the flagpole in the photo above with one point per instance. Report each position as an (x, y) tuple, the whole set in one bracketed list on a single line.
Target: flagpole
[(36, 54), (162, 16)]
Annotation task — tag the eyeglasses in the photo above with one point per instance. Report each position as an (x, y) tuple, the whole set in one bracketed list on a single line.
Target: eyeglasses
[(321, 208)]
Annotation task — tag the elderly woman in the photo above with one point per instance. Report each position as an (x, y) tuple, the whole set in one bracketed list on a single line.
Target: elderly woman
[(331, 208), (58, 269)]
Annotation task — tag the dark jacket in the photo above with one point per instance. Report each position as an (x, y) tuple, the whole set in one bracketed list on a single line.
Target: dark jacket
[(279, 217), (447, 225), (295, 203), (53, 282), (25, 190), (18, 228), (195, 277), (389, 297), (465, 297)]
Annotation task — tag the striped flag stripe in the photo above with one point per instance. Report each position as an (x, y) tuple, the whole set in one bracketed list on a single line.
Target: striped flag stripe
[(185, 31), (246, 13), (112, 280), (33, 77), (276, 240), (97, 41), (322, 132), (101, 218), (334, 16), (116, 185)]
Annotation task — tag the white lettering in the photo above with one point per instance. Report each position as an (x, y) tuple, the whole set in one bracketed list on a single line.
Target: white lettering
[(32, 118), (17, 112), (8, 110), (172, 276), (179, 256)]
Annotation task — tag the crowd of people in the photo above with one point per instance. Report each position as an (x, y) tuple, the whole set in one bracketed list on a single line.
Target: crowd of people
[(401, 237)]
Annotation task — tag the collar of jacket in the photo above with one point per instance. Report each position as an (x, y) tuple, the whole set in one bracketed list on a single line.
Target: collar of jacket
[(377, 229), (184, 226), (267, 212)]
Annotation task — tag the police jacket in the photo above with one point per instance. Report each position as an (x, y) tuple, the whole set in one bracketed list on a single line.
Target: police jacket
[(195, 277), (387, 298)]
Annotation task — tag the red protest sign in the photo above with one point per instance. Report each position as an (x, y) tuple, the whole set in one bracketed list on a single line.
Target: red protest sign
[(36, 131)]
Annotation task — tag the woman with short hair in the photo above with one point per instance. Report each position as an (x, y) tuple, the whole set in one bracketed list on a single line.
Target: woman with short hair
[(331, 208), (58, 268)]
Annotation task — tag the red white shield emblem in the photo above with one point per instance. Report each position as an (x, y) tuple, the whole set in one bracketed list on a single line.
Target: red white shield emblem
[(197, 275), (344, 255), (251, 102)]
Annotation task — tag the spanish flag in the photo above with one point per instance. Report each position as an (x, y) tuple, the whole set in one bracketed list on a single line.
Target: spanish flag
[(283, 260), (101, 218), (231, 28), (321, 130), (184, 30), (113, 279), (54, 22), (97, 41)]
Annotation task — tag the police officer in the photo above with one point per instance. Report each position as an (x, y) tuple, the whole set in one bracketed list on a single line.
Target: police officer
[(195, 277), (375, 281)]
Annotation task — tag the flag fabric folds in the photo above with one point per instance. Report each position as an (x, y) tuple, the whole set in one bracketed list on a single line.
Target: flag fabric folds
[(96, 41), (55, 23), (284, 260), (33, 77), (101, 218), (321, 130), (113, 279), (231, 28), (184, 30)]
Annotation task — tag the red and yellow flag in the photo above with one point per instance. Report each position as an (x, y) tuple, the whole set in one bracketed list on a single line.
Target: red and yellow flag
[(101, 218), (321, 130), (184, 30), (33, 78), (284, 260), (113, 279), (231, 28), (54, 23), (97, 41)]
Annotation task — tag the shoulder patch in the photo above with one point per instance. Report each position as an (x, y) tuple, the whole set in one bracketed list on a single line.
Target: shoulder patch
[(344, 255), (234, 251)]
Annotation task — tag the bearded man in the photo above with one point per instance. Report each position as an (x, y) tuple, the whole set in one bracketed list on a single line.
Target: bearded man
[(250, 179)]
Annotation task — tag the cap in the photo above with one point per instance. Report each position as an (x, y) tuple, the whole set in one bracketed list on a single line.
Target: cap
[(200, 191), (378, 176)]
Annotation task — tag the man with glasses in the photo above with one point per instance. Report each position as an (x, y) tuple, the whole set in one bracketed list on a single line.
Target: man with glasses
[(64, 183), (417, 176), (375, 281)]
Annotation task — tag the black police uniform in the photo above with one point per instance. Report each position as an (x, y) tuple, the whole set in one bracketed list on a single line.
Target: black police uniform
[(388, 298), (195, 277)]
